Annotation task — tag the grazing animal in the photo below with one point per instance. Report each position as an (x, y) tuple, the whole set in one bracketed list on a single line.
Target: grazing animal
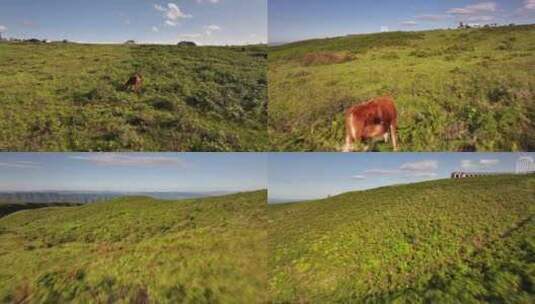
[(134, 82), (370, 120)]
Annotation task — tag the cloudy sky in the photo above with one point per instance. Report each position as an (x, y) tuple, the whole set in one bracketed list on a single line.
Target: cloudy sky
[(195, 172), (305, 19), (301, 176), (216, 22)]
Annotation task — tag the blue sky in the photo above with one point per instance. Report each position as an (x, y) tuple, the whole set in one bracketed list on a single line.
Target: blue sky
[(150, 21), (195, 172), (301, 176), (304, 19)]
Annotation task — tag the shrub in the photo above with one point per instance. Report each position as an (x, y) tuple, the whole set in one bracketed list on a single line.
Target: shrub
[(163, 104), (506, 45), (390, 56), (499, 93), (459, 48)]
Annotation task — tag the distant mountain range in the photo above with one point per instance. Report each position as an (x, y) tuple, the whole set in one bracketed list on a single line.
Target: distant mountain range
[(89, 197)]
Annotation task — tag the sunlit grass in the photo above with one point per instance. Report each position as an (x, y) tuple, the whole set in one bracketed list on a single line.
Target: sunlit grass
[(70, 97), (135, 249), (456, 90), (448, 241)]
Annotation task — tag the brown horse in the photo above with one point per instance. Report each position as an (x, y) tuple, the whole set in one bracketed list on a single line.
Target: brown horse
[(370, 120), (134, 83)]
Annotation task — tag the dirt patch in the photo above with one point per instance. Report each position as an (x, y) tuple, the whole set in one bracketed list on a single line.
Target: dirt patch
[(323, 58)]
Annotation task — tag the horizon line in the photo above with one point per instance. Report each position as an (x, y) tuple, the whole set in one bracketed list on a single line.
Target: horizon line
[(132, 191), (281, 200), (15, 39), (279, 43)]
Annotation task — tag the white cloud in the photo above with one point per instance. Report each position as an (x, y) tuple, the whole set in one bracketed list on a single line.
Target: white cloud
[(409, 23), (213, 27), (396, 172), (431, 17), (381, 172), (466, 163), (482, 163), (159, 8), (529, 4), (385, 28), (174, 13), (209, 29), (121, 159), (424, 165), (423, 174), (170, 23), (489, 162), (3, 28), (209, 1), (474, 9), (360, 177), (480, 18), (417, 169), (155, 29)]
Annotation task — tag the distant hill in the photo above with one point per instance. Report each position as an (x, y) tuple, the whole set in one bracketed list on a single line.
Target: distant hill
[(89, 197), (8, 208), (137, 250), (445, 241), (56, 196), (455, 90), (192, 99)]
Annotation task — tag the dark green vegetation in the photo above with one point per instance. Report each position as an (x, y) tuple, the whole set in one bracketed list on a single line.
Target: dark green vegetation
[(447, 241), (137, 250), (93, 196), (8, 208), (456, 90), (63, 97), (57, 196)]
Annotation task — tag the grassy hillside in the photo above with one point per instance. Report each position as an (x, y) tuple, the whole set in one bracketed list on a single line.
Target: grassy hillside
[(57, 97), (137, 250), (447, 241), (456, 90)]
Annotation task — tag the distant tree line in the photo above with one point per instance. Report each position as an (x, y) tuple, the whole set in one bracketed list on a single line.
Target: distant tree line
[(181, 43), (35, 40), (32, 40), (463, 25)]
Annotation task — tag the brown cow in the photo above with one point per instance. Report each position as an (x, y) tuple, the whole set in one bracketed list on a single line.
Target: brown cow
[(370, 120), (134, 82)]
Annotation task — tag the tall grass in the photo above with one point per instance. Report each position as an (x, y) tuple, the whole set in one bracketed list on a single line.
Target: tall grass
[(64, 97), (448, 241), (137, 250), (456, 90)]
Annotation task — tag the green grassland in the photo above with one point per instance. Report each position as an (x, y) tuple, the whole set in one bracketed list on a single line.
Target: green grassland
[(446, 241), (137, 250), (456, 90), (64, 97)]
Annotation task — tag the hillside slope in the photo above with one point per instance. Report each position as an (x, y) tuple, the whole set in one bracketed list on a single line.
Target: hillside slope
[(456, 90), (447, 241), (58, 97), (136, 250)]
